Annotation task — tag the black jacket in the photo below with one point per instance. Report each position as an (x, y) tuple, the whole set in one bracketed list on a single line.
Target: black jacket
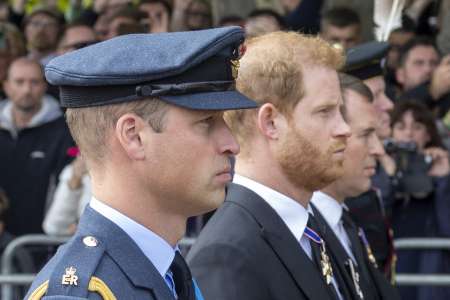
[(31, 160), (246, 251)]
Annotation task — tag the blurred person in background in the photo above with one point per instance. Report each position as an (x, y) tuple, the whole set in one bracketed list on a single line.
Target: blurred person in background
[(125, 21), (22, 261), (102, 6), (158, 15), (289, 5), (35, 140), (423, 75), (100, 14), (71, 197), (12, 45), (231, 20), (443, 37), (303, 16), (4, 11), (43, 28), (421, 194), (397, 39), (417, 61), (76, 36), (191, 15), (341, 26), (263, 21)]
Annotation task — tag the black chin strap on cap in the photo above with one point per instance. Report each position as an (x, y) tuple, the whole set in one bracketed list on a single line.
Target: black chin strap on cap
[(155, 90), (75, 96)]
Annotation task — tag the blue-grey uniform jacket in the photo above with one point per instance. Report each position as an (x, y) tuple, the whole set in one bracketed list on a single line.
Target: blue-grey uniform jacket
[(99, 262)]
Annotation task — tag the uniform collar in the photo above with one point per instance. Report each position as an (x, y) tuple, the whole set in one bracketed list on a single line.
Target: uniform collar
[(293, 214), (155, 248), (330, 208)]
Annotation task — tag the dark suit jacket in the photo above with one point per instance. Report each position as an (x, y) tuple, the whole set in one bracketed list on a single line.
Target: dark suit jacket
[(247, 252), (116, 260), (372, 282)]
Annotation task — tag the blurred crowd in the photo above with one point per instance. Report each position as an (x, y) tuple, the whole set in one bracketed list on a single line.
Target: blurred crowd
[(44, 181)]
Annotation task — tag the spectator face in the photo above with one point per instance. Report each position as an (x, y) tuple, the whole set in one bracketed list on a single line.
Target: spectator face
[(396, 41), (347, 37), (363, 147), (101, 27), (25, 86), (157, 15), (311, 151), (382, 104), (198, 16), (118, 23), (41, 32), (418, 66), (75, 38), (407, 129), (202, 169)]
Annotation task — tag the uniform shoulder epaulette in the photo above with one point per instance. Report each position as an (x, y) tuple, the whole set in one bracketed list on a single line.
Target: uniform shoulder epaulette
[(72, 275)]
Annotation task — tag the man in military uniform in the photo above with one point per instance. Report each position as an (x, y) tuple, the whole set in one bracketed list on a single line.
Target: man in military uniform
[(369, 209), (147, 114), (348, 244)]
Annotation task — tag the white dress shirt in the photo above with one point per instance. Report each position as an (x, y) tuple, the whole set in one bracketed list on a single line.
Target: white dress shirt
[(331, 211), (293, 214), (155, 248)]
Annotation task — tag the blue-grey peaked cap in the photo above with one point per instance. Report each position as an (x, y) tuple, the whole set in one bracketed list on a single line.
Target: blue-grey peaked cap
[(192, 69)]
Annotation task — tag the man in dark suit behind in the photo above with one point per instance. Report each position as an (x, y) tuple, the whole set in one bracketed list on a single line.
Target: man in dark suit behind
[(261, 243), (348, 244)]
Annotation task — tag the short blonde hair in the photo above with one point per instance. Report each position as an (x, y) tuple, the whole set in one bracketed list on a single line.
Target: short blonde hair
[(271, 71), (90, 126)]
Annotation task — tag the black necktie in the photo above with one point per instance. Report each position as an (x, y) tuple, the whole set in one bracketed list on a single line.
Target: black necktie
[(353, 235), (182, 278), (361, 254)]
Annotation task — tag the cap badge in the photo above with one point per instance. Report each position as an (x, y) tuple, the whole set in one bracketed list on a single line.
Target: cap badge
[(234, 68)]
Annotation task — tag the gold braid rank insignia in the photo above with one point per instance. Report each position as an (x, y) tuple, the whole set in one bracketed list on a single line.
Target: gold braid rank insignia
[(69, 278)]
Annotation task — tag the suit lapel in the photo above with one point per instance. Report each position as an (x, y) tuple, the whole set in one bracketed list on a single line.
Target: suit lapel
[(277, 235), (124, 251), (381, 285)]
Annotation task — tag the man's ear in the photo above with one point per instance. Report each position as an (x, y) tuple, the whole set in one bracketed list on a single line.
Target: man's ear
[(128, 131), (270, 121)]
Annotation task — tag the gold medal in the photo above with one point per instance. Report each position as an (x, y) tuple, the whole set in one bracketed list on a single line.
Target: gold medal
[(327, 270)]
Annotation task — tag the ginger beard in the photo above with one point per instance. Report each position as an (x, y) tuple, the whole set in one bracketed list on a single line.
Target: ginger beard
[(304, 163)]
